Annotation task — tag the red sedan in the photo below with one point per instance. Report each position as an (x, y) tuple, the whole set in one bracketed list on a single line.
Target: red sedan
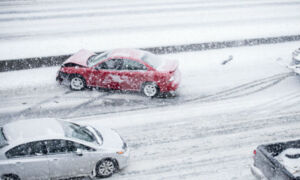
[(121, 69)]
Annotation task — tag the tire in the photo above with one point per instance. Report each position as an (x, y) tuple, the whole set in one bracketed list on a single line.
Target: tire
[(105, 168), (10, 177), (150, 89), (77, 82)]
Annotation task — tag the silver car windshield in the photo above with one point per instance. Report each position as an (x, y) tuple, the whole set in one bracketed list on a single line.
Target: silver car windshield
[(76, 131)]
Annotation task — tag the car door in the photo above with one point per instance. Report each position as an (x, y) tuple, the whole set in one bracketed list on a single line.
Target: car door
[(135, 74), (65, 161), (29, 161), (107, 74)]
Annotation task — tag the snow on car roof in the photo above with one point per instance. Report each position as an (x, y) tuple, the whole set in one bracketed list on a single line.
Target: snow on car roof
[(26, 130), (130, 53)]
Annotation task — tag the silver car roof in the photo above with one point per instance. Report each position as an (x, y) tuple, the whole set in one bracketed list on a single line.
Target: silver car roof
[(28, 130)]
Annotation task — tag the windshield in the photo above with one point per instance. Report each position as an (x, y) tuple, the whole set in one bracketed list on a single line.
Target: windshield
[(153, 60), (93, 60), (78, 132)]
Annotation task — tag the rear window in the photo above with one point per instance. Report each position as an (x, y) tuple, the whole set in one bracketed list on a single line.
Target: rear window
[(3, 140), (153, 60)]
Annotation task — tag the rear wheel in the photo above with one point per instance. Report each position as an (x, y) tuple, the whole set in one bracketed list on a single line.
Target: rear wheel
[(150, 89), (77, 82), (105, 168)]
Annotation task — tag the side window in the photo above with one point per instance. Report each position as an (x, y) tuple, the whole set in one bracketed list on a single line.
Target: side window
[(133, 65), (18, 151), (73, 146), (112, 64), (30, 149), (56, 146), (64, 146)]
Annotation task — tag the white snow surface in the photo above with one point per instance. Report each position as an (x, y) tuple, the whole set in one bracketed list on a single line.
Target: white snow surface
[(292, 165), (221, 113), (45, 28)]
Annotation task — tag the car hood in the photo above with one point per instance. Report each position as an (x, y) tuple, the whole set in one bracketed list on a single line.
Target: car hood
[(111, 139), (80, 57), (168, 65)]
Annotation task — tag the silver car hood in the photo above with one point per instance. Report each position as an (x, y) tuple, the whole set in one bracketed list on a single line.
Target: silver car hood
[(110, 138)]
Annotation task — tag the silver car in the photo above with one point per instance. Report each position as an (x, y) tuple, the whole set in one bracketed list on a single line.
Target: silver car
[(49, 148)]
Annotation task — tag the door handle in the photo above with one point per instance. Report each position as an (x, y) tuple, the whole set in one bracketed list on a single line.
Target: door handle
[(18, 162), (54, 159)]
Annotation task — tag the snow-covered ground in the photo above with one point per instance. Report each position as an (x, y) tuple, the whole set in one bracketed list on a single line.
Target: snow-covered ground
[(44, 28), (221, 113)]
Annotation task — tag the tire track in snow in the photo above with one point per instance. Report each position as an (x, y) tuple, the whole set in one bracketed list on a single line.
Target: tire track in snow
[(195, 131), (84, 104), (183, 154), (236, 92), (146, 11), (103, 104), (26, 111)]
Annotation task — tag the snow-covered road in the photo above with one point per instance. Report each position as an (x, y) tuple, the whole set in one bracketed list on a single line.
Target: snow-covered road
[(221, 113), (45, 28), (209, 131)]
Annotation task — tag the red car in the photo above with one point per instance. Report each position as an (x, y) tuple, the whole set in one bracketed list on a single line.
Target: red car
[(121, 69)]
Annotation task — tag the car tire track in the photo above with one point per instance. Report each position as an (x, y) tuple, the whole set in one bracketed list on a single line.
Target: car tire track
[(236, 92), (31, 108)]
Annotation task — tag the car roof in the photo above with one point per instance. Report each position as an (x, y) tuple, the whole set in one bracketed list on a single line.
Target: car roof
[(127, 53), (33, 129)]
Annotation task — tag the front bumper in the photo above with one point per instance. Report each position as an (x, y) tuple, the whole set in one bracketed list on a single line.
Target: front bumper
[(123, 159), (62, 78), (257, 173)]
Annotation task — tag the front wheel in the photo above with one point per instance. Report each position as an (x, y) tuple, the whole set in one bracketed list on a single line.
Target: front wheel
[(105, 168), (77, 82), (150, 89)]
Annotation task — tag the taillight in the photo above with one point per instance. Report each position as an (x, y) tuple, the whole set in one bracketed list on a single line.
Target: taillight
[(254, 151)]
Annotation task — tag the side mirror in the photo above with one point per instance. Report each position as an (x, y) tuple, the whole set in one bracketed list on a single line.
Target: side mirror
[(79, 152)]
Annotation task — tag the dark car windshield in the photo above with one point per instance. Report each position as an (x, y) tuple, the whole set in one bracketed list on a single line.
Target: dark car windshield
[(73, 130), (153, 60), (93, 60)]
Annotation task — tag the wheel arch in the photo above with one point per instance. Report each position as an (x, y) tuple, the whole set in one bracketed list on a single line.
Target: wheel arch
[(115, 161), (145, 82)]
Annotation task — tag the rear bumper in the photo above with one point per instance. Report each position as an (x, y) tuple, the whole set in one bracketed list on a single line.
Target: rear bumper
[(172, 86), (257, 173)]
